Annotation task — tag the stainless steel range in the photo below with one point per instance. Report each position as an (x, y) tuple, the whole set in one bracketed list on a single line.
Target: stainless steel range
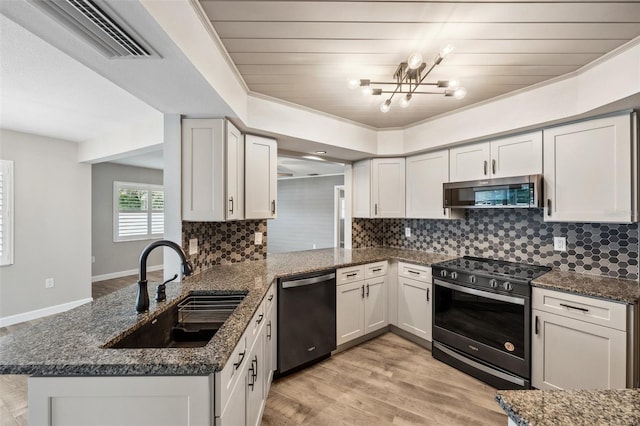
[(482, 318)]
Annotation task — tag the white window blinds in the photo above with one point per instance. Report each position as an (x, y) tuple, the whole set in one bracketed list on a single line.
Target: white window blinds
[(6, 212), (138, 211)]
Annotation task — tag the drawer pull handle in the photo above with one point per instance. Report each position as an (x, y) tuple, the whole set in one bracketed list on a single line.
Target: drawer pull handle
[(413, 272), (362, 291), (367, 290), (493, 166), (259, 320), (269, 330), (537, 325), (270, 298), (485, 167), (574, 307), (352, 275), (237, 364), (231, 205), (548, 206), (428, 295), (377, 270)]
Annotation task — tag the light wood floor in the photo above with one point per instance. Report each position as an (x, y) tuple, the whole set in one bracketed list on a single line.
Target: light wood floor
[(13, 389), (386, 381)]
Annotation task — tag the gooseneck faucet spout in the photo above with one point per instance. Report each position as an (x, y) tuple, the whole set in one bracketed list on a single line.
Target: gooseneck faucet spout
[(142, 300)]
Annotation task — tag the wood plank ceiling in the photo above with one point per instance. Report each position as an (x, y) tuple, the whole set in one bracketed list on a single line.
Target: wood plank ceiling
[(305, 52)]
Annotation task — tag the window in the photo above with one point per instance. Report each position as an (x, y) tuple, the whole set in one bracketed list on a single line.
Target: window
[(138, 212), (6, 212)]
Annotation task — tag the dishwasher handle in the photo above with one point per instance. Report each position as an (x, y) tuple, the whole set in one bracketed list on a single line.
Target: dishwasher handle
[(308, 281)]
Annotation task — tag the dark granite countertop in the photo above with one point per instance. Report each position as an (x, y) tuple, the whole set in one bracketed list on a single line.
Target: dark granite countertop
[(71, 343), (626, 291), (571, 407)]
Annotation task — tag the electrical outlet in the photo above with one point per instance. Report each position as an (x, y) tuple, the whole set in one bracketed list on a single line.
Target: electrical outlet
[(193, 246), (559, 243), (49, 282), (257, 239), (407, 232)]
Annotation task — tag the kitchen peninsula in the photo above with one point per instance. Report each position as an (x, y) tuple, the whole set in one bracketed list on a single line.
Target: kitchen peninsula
[(72, 344)]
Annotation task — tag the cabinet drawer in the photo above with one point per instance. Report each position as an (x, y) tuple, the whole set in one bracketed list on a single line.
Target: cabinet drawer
[(377, 269), (415, 272), (256, 324), (230, 374), (269, 299), (596, 311), (350, 275)]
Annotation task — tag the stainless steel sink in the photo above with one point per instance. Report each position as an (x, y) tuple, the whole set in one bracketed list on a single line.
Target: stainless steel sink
[(191, 323)]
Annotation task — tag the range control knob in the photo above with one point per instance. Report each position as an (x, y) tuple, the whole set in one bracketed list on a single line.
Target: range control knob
[(507, 286), (493, 283), (472, 279), (454, 275), (443, 273)]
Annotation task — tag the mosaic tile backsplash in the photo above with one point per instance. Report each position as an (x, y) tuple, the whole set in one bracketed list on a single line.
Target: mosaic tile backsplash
[(224, 242), (516, 235)]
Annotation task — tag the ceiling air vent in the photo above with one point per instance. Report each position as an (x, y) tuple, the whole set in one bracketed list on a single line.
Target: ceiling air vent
[(96, 24)]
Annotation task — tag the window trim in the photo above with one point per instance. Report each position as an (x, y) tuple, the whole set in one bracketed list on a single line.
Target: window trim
[(116, 210), (6, 259)]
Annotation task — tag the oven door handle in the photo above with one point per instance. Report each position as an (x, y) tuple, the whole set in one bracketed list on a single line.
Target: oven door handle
[(494, 296)]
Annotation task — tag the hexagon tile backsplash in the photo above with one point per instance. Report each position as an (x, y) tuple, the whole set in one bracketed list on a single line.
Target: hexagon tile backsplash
[(516, 235)]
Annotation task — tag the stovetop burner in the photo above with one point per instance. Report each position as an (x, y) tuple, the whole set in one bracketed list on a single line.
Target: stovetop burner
[(492, 267)]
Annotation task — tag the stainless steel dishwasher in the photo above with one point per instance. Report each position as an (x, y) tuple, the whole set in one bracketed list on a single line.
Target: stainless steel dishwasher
[(306, 319)]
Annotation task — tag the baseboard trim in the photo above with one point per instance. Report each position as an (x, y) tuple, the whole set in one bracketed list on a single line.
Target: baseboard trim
[(44, 312), (104, 277), (410, 337)]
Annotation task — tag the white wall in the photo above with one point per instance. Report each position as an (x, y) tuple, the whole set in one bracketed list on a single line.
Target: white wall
[(52, 194), (116, 258)]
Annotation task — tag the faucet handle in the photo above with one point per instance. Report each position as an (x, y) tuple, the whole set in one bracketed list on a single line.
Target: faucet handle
[(161, 294)]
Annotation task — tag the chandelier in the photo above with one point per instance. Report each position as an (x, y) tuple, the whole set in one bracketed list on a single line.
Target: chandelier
[(409, 80)]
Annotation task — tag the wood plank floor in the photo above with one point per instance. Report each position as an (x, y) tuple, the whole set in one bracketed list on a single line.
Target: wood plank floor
[(13, 388), (386, 381)]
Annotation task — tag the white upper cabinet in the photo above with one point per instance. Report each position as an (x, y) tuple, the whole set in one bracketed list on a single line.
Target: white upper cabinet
[(261, 173), (425, 175), (379, 188), (512, 156), (212, 170), (590, 171)]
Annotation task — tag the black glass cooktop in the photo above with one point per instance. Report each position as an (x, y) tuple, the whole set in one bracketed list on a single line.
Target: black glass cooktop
[(479, 265)]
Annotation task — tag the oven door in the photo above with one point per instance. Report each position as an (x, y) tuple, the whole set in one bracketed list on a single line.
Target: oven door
[(489, 327)]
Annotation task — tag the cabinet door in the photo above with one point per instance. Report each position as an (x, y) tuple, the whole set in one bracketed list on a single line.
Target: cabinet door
[(517, 155), (375, 304), (261, 157), (349, 311), (255, 384), (235, 412), (570, 354), (425, 175), (469, 162), (269, 350), (362, 189), (414, 307), (388, 187), (235, 173), (203, 170), (588, 171)]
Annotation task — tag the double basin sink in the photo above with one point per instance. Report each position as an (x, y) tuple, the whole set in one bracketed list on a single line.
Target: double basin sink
[(190, 323)]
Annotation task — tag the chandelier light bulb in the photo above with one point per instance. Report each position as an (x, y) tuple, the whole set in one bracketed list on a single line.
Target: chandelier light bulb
[(367, 90), (453, 84), (414, 61), (460, 93), (354, 84), (386, 106), (405, 100), (446, 50)]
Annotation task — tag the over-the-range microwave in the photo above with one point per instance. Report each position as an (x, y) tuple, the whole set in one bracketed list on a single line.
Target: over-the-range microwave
[(509, 192)]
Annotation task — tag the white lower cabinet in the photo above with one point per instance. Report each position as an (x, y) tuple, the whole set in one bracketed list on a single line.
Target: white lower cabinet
[(361, 306), (414, 300), (255, 398), (577, 342)]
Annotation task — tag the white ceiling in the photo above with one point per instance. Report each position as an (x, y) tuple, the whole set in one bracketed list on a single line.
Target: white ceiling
[(305, 52), (46, 92), (149, 160), (304, 167)]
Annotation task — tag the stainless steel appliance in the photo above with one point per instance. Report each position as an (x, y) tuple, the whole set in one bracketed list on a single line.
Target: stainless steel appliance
[(481, 318), (518, 191), (306, 319)]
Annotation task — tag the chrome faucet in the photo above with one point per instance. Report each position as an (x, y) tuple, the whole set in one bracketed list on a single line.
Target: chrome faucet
[(142, 300)]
